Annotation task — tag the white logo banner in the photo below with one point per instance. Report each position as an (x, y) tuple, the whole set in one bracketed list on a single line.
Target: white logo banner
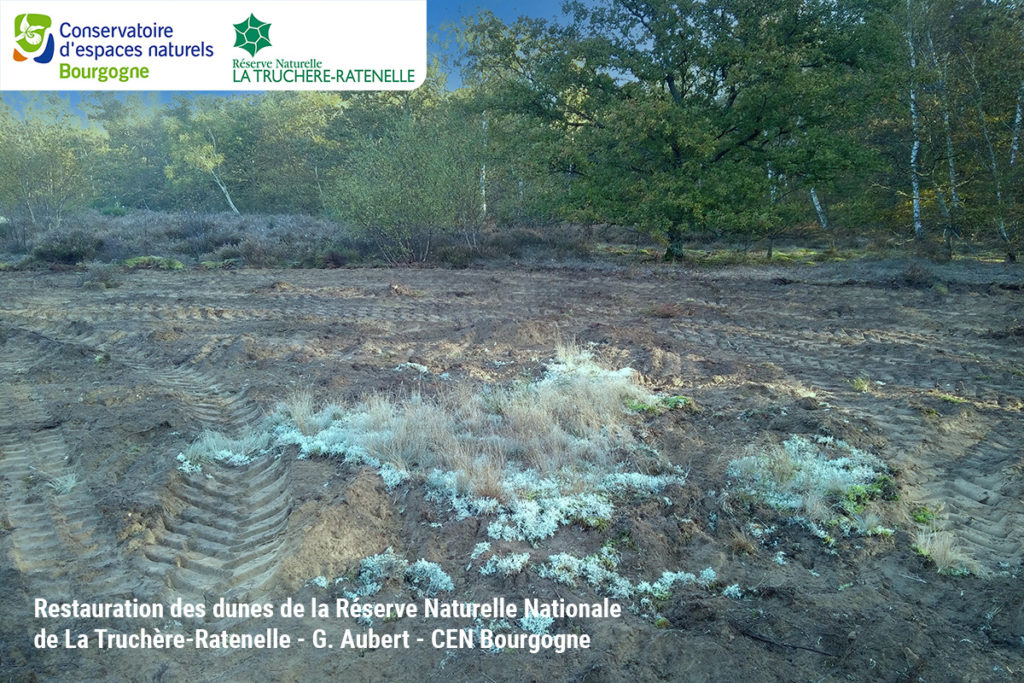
[(213, 45)]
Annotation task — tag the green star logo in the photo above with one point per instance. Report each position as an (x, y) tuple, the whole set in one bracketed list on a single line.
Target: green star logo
[(252, 35)]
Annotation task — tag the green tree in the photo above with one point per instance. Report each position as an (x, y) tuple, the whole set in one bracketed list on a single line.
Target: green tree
[(298, 150), (411, 170), (46, 151), (683, 116), (130, 172)]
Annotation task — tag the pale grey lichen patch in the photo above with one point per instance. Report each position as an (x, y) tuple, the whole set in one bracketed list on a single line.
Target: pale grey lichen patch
[(662, 588), (733, 591), (800, 473), (536, 624), (597, 571), (824, 482), (427, 579), (217, 447), (375, 571), (506, 565)]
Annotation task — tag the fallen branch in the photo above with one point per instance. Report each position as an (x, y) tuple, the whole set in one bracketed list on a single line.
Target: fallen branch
[(765, 639)]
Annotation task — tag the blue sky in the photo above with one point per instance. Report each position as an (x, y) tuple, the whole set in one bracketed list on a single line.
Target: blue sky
[(440, 12), (443, 12)]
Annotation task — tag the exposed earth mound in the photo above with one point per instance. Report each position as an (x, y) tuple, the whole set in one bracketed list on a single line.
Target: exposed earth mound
[(803, 473)]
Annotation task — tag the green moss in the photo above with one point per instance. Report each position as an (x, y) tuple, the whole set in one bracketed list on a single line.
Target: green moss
[(923, 515), (595, 523), (854, 499), (153, 263), (662, 622), (638, 406), (680, 402), (226, 264), (663, 404), (884, 487)]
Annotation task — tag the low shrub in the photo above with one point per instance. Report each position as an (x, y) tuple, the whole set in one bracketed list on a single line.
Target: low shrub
[(69, 249)]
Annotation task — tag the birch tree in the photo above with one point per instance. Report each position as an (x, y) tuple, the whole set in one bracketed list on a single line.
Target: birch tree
[(46, 152), (195, 137), (915, 122)]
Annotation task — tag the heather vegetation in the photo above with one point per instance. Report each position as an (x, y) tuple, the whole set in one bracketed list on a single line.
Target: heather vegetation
[(684, 127)]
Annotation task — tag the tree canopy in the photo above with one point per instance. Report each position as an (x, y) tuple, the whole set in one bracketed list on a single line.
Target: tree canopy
[(738, 120)]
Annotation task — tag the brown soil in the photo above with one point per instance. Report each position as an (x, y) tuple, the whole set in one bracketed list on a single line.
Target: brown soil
[(113, 384)]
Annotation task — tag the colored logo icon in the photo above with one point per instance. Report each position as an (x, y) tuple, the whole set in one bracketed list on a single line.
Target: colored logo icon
[(252, 35), (33, 37)]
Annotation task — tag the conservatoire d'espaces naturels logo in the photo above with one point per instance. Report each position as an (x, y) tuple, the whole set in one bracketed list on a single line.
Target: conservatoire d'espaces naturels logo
[(252, 35), (32, 35)]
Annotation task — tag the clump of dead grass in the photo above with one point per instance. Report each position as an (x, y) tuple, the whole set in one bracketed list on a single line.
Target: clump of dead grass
[(942, 548), (573, 417), (571, 425), (300, 407)]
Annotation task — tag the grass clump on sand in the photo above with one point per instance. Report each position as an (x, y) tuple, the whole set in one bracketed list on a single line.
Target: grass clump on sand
[(536, 455), (942, 549), (217, 447)]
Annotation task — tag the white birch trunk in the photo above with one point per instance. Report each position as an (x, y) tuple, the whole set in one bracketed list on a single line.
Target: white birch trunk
[(483, 173), (817, 207), (915, 181), (1015, 143), (224, 189)]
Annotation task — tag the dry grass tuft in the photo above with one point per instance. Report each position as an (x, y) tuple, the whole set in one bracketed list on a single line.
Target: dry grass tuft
[(574, 417), (300, 407), (740, 544), (571, 422), (410, 433), (941, 547)]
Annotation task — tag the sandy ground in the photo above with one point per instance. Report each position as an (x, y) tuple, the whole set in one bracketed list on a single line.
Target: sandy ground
[(110, 385)]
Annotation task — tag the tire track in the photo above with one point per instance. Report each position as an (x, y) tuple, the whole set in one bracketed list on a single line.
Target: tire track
[(823, 331), (223, 531), (57, 537), (227, 536), (982, 499)]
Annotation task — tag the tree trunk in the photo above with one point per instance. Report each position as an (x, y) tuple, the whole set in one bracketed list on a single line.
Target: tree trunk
[(483, 172), (224, 189), (946, 125), (1011, 256), (817, 207), (915, 149), (1015, 144), (674, 251)]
